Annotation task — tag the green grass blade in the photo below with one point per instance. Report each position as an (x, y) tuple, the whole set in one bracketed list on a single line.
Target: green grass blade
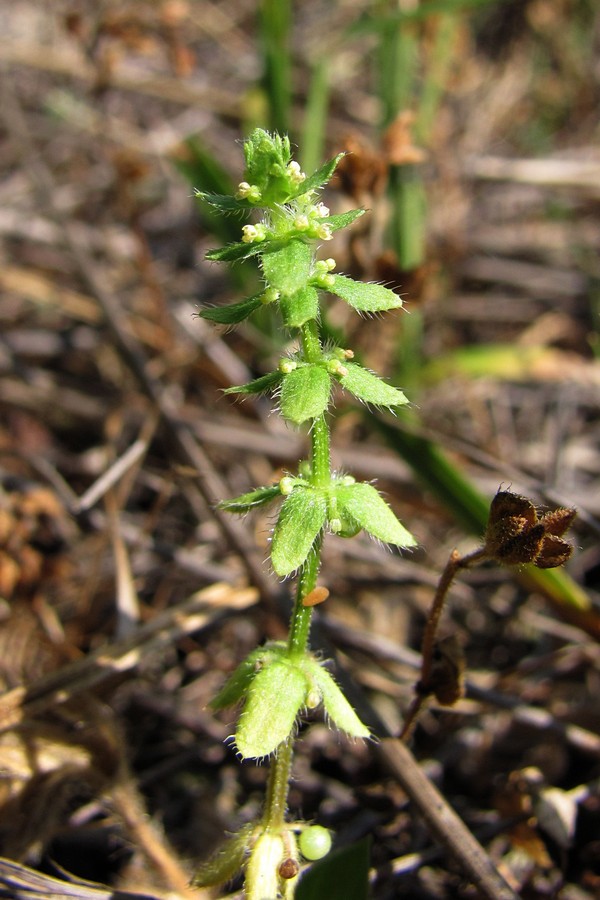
[(439, 62), (408, 222), (315, 117), (205, 173), (470, 509), (376, 22), (275, 20)]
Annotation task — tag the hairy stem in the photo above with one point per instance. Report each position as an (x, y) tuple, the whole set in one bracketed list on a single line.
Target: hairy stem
[(311, 343), (320, 456), (278, 787), (301, 615), (299, 630)]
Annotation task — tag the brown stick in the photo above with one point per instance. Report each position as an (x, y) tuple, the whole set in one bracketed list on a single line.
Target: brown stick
[(443, 822), (455, 562)]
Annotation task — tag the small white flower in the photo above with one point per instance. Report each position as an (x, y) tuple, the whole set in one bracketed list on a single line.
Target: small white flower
[(301, 223), (322, 210), (297, 176), (324, 232), (249, 234), (247, 191), (253, 233)]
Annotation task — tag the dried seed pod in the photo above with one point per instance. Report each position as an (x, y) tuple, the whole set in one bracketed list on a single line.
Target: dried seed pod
[(515, 533), (446, 681)]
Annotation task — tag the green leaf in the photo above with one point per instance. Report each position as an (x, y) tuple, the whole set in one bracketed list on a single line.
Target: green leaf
[(342, 875), (232, 314), (236, 686), (343, 219), (227, 862), (364, 297), (301, 518), (370, 388), (367, 507), (320, 177), (305, 393), (300, 307), (275, 697), (288, 269), (335, 704), (245, 502), (257, 386), (224, 202), (267, 156), (237, 251)]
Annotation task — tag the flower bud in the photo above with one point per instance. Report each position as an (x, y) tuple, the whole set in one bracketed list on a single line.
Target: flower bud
[(295, 173), (247, 191), (301, 223), (270, 295), (286, 366), (286, 485)]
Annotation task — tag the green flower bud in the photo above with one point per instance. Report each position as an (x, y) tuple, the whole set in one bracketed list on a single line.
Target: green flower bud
[(286, 366), (286, 485)]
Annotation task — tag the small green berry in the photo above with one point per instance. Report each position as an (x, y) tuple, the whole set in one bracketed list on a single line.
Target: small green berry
[(314, 842)]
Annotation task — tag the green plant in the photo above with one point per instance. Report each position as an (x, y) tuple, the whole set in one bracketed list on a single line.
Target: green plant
[(278, 682), (281, 680)]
